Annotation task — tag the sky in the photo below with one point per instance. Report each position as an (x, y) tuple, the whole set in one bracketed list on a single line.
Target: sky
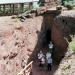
[(15, 1)]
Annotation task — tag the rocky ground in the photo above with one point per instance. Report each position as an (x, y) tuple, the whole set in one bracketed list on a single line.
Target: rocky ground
[(17, 42), (67, 65)]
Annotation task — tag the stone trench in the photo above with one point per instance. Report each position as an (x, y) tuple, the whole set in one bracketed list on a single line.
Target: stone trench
[(16, 41), (51, 30), (56, 28)]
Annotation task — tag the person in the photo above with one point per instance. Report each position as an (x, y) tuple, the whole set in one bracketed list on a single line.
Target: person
[(43, 61), (50, 46), (49, 64), (49, 61), (40, 58)]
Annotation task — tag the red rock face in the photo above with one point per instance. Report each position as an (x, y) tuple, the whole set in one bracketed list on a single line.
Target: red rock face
[(56, 33), (60, 43), (57, 38)]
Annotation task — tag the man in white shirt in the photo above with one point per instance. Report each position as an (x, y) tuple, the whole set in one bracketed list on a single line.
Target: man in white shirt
[(49, 61), (50, 46)]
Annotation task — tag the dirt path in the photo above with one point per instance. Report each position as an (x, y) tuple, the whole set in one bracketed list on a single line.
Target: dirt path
[(42, 71)]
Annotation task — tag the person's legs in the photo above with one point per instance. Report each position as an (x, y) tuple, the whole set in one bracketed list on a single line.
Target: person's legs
[(50, 67), (39, 63)]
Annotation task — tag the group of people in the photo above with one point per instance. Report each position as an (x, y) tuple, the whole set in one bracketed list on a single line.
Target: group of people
[(46, 59)]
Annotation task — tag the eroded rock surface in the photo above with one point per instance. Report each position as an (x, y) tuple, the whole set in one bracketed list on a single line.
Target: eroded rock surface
[(17, 42)]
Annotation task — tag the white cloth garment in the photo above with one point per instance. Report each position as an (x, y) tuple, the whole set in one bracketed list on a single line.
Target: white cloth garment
[(50, 45), (40, 55), (43, 60), (48, 55)]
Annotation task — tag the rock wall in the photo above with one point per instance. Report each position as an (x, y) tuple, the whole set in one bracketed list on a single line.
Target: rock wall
[(60, 44), (63, 27), (23, 40), (17, 42)]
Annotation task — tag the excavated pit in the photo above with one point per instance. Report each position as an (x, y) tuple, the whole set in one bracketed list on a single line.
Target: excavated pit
[(24, 40), (51, 31)]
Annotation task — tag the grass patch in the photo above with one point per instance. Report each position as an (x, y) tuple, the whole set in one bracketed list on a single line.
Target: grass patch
[(72, 45), (66, 67)]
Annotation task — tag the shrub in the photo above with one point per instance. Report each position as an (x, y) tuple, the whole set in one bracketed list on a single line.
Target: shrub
[(69, 7)]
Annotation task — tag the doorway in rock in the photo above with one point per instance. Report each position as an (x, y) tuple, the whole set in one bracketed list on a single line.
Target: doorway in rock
[(48, 36), (46, 40)]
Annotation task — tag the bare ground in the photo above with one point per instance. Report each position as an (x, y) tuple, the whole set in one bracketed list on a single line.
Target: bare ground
[(17, 42)]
